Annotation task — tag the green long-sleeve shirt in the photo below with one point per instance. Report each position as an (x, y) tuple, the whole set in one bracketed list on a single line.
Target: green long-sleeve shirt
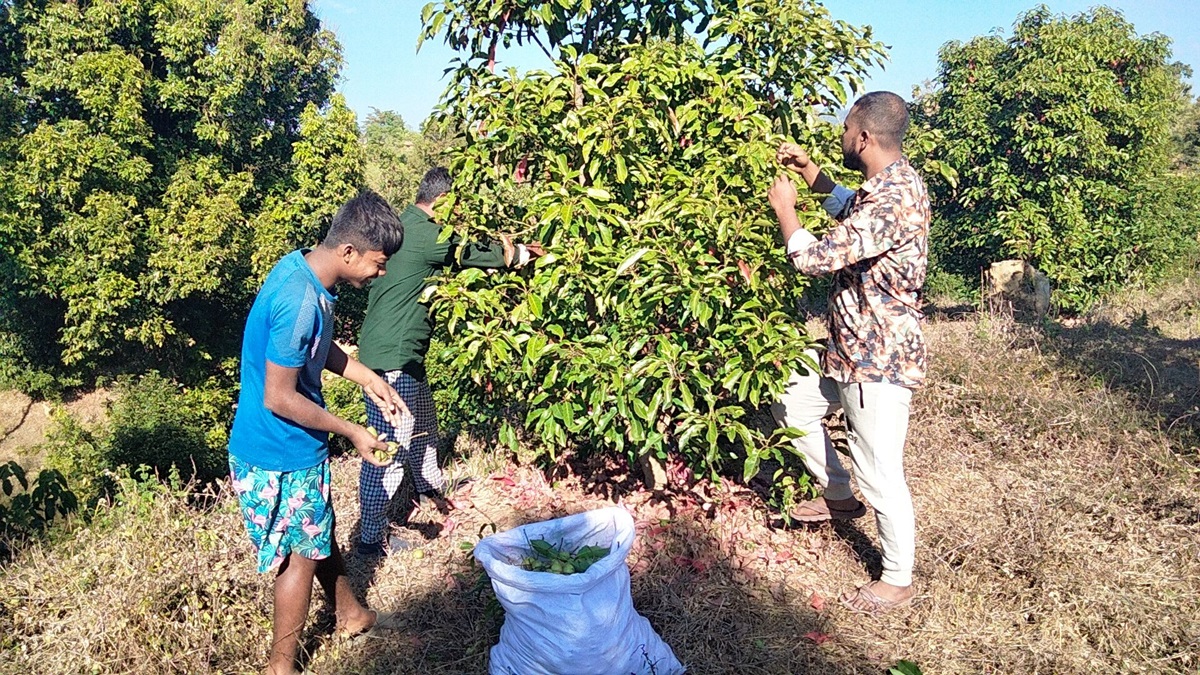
[(395, 333)]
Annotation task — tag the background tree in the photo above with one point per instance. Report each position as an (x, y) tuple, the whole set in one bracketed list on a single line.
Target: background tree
[(396, 157), (665, 310), (393, 166), (1055, 130), (158, 156), (1185, 136)]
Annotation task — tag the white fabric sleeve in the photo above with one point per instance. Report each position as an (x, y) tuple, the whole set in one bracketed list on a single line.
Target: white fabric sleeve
[(800, 240)]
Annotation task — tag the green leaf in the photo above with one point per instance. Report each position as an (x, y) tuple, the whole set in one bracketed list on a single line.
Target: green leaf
[(750, 468), (631, 260), (685, 395), (904, 668)]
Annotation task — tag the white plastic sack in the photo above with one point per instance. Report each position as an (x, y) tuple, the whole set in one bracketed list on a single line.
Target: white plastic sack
[(582, 624)]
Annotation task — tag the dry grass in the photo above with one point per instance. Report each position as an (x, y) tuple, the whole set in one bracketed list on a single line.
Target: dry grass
[(153, 585), (1058, 532), (1145, 343)]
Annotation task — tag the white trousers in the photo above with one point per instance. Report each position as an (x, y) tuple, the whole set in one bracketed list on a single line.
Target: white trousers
[(877, 417)]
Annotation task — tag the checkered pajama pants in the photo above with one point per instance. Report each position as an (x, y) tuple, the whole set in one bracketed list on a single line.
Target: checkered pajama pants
[(418, 439)]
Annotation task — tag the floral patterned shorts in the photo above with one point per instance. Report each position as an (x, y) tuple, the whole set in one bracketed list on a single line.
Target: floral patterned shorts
[(285, 511)]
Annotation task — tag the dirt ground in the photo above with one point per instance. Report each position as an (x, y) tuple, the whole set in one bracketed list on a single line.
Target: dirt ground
[(25, 422)]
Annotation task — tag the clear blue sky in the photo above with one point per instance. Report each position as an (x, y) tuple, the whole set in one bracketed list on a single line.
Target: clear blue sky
[(383, 69)]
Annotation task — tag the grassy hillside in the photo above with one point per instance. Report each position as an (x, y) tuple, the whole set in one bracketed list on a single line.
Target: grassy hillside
[(1056, 484)]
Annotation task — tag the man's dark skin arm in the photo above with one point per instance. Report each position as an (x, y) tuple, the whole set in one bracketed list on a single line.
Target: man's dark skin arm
[(281, 397), (783, 194), (794, 158)]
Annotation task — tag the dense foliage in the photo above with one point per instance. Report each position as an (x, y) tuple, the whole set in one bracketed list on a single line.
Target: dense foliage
[(156, 158), (664, 311), (1185, 137), (1055, 131), (27, 507), (154, 426)]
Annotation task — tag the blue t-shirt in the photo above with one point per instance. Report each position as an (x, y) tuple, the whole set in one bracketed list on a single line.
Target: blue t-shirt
[(290, 325)]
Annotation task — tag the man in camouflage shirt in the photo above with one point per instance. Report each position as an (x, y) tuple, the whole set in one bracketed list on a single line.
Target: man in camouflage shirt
[(877, 254)]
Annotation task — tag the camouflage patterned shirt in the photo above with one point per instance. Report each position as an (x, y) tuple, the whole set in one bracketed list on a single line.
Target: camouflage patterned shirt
[(877, 254)]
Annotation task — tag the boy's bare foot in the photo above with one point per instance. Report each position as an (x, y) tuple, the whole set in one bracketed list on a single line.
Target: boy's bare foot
[(878, 598), (376, 621), (362, 622)]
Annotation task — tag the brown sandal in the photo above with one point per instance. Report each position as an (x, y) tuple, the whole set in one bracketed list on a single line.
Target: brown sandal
[(818, 511), (875, 604)]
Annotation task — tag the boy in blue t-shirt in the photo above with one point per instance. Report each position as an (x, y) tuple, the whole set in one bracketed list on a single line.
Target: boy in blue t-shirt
[(279, 446)]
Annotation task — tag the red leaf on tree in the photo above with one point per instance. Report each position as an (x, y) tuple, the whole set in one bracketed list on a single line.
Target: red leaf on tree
[(745, 269)]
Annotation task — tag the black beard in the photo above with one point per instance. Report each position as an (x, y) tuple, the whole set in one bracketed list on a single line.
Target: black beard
[(853, 161)]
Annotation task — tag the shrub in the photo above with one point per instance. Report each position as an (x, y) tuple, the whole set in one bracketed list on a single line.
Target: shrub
[(1052, 130), (80, 454), (153, 423), (945, 286), (28, 509), (664, 312), (1166, 224), (156, 423)]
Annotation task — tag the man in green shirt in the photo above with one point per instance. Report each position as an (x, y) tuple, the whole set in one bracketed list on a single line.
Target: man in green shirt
[(394, 341)]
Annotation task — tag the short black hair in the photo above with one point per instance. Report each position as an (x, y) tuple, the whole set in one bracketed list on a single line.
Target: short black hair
[(434, 184), (368, 223), (885, 115)]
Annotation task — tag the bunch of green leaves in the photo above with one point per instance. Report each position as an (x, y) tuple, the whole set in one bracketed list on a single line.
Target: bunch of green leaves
[(1051, 129), (664, 310), (547, 557), (27, 509)]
